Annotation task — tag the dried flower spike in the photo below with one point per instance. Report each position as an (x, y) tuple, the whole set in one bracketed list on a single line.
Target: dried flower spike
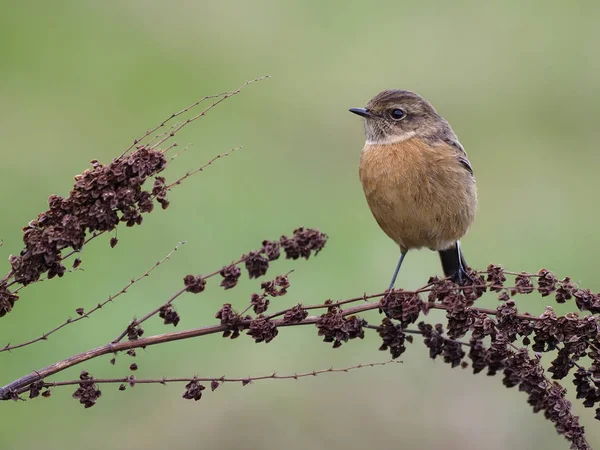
[(102, 197)]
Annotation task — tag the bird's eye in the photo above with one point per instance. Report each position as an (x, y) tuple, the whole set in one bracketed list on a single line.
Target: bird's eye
[(397, 114)]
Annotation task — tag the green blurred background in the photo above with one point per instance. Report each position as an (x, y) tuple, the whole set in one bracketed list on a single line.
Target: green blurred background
[(79, 80)]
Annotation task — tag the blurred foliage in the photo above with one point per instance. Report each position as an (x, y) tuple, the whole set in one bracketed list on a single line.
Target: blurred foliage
[(79, 80)]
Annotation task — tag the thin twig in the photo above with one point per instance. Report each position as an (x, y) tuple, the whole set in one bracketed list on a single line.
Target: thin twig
[(222, 98), (171, 299), (111, 298), (114, 347), (145, 342), (201, 168), (222, 379), (46, 278), (168, 119)]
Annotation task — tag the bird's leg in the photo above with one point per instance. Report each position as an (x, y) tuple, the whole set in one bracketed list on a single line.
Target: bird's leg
[(461, 274), (402, 255)]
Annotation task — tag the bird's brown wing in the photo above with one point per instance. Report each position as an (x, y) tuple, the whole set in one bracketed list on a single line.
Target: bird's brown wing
[(461, 154)]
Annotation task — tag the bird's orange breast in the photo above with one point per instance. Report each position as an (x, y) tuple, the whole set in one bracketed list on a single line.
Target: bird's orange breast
[(420, 195)]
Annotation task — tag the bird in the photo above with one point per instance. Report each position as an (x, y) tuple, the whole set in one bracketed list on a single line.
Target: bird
[(417, 178)]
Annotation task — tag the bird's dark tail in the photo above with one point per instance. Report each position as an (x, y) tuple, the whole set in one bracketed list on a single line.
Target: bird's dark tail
[(453, 263)]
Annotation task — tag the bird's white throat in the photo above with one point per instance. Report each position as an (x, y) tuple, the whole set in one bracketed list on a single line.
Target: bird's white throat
[(392, 139)]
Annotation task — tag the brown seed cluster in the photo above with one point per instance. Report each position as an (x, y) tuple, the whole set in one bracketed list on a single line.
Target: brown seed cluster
[(495, 278), (271, 249), (272, 288), (549, 398), (511, 324), (403, 306), (194, 284), (169, 315), (450, 350), (494, 337), (256, 264), (232, 320), (304, 242), (231, 275), (585, 300), (259, 303), (101, 198), (193, 390), (523, 285), (262, 329), (574, 336), (134, 331), (7, 300), (159, 191), (336, 328), (296, 314), (87, 393), (276, 287), (445, 291), (393, 337), (547, 282), (35, 389)]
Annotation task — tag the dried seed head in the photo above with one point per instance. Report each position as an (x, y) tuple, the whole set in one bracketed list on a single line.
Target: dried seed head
[(303, 243), (262, 330), (193, 390), (271, 249), (295, 314), (256, 264), (101, 197), (231, 319), (495, 277), (194, 284), (169, 315), (546, 282), (7, 300), (393, 338), (87, 393), (403, 306), (339, 329), (134, 331), (259, 303), (523, 284), (231, 275)]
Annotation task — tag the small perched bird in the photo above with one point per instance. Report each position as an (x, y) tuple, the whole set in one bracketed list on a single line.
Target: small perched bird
[(417, 178)]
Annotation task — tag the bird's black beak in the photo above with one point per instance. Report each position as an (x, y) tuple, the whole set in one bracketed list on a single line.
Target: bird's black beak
[(363, 112)]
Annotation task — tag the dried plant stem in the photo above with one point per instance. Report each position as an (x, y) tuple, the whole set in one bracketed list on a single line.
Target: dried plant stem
[(222, 379), (222, 96), (46, 279), (20, 385), (155, 311), (171, 299), (100, 305), (201, 168), (6, 277), (168, 119)]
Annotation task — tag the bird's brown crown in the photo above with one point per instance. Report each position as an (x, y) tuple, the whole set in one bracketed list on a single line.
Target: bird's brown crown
[(396, 115)]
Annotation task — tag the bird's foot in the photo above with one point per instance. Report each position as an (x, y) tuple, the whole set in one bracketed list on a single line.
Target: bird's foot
[(462, 277)]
